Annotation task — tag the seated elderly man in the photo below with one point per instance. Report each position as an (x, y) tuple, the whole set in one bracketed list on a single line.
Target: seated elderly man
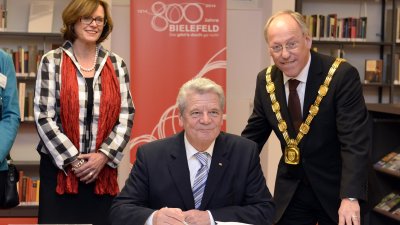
[(198, 176)]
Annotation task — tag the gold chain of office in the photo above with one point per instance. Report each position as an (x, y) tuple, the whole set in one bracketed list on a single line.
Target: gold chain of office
[(292, 151)]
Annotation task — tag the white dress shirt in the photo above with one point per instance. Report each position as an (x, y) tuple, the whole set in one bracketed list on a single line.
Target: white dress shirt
[(301, 88), (194, 166)]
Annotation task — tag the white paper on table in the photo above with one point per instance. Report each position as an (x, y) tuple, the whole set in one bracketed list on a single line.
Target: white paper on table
[(231, 223)]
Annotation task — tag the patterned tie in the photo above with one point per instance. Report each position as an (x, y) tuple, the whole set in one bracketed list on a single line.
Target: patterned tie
[(200, 179), (294, 104)]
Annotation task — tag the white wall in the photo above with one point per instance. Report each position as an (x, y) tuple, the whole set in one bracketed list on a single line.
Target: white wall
[(120, 44), (246, 56)]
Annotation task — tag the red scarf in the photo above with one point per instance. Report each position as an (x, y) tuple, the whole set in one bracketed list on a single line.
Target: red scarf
[(110, 106)]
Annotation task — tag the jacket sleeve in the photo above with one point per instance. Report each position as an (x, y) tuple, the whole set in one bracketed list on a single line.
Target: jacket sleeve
[(256, 205), (131, 206), (258, 128), (352, 126), (56, 142), (9, 114)]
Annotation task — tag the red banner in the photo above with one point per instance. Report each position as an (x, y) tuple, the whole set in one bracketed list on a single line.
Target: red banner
[(172, 41)]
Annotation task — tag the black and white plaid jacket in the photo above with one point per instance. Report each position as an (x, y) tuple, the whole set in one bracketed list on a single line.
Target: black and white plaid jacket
[(47, 109)]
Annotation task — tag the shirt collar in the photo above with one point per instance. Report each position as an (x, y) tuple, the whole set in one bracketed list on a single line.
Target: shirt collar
[(302, 77), (190, 150)]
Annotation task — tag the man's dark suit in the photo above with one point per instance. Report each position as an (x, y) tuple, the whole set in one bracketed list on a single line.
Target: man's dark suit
[(334, 154), (235, 190)]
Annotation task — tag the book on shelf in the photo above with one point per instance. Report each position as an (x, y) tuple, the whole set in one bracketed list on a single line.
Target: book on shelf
[(389, 205), (41, 16), (26, 60), (389, 29), (390, 164), (20, 58), (29, 105), (316, 25), (28, 189), (332, 27), (388, 25), (3, 17), (21, 96), (25, 96), (32, 60), (386, 69), (373, 71), (396, 67), (398, 25)]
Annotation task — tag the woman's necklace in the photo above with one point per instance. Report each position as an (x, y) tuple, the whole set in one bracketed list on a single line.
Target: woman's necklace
[(94, 62)]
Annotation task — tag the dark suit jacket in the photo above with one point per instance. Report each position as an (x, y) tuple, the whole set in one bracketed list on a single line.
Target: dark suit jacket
[(334, 154), (235, 190)]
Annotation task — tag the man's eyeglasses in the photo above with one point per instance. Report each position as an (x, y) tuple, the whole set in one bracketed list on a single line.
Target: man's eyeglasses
[(87, 20), (291, 45)]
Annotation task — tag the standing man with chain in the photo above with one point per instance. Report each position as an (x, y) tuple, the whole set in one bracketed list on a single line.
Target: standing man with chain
[(314, 103)]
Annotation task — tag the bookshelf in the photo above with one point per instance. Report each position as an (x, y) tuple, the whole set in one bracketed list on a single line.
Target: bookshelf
[(26, 212), (379, 42), (14, 35), (385, 119)]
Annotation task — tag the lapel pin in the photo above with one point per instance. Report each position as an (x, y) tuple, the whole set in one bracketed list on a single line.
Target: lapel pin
[(219, 164)]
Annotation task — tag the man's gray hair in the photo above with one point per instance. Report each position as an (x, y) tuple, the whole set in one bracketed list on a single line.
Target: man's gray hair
[(199, 85)]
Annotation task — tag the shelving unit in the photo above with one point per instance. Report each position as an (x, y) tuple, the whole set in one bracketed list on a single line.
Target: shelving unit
[(386, 132), (44, 39), (24, 213), (375, 46)]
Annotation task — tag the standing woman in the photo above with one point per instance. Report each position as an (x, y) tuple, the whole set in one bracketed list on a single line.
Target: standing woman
[(84, 116)]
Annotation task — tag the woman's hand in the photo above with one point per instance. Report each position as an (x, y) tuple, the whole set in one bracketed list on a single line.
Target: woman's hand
[(94, 163)]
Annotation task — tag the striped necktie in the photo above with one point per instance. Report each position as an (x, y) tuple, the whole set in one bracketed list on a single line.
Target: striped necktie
[(200, 179)]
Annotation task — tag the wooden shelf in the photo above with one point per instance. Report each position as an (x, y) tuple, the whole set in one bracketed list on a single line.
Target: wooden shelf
[(384, 108), (26, 79), (388, 214), (351, 43), (389, 172), (375, 85), (26, 163), (28, 34), (20, 211)]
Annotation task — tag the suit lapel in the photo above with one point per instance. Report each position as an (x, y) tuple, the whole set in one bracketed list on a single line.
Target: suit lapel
[(314, 80), (219, 164), (179, 170)]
